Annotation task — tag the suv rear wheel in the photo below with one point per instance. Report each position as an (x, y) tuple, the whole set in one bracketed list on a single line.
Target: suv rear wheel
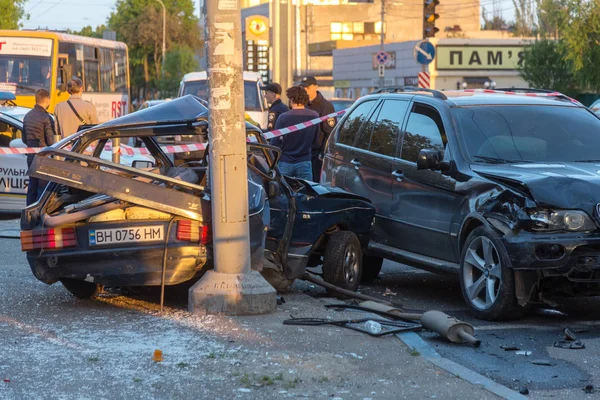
[(486, 279), (342, 262), (81, 289)]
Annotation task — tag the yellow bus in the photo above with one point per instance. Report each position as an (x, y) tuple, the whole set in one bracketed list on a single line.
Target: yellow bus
[(32, 60)]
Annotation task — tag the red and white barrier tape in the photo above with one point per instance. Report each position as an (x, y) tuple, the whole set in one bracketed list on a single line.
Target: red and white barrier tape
[(184, 148)]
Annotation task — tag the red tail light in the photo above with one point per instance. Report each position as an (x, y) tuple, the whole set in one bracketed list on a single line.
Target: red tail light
[(206, 236), (191, 231), (48, 239)]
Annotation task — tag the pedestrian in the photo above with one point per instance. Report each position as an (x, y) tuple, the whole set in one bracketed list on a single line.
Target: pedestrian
[(276, 106), (38, 131), (296, 146), (318, 103), (74, 112)]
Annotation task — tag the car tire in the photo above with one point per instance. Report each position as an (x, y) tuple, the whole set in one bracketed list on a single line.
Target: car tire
[(81, 289), (342, 261), (371, 267), (486, 277)]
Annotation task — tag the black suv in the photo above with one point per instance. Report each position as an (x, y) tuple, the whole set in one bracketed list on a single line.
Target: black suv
[(500, 188)]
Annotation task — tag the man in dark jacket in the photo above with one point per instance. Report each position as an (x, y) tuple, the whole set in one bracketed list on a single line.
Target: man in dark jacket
[(323, 107), (273, 96), (296, 146), (38, 131)]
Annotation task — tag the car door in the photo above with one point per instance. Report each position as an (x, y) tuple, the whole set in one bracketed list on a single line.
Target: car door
[(372, 160), (338, 151), (423, 201), (13, 169)]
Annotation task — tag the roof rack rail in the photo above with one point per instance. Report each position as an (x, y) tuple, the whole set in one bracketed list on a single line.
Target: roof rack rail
[(527, 92), (524, 90), (395, 89)]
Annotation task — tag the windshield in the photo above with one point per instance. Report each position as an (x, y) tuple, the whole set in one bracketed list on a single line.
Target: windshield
[(24, 75), (252, 96), (529, 133)]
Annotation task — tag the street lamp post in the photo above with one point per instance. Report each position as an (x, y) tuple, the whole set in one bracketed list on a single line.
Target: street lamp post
[(164, 35)]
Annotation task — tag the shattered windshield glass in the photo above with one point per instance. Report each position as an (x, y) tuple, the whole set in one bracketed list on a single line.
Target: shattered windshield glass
[(529, 133)]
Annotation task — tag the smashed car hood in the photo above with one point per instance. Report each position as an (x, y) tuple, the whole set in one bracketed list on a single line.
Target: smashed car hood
[(559, 185)]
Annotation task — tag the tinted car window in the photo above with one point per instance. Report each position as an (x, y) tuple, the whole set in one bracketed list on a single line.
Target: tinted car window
[(387, 128), (424, 131), (355, 120), (530, 133)]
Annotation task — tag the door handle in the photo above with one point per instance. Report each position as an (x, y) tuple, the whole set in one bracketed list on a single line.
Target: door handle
[(356, 163), (397, 174)]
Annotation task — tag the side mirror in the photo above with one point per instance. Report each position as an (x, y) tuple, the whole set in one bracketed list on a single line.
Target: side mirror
[(429, 159), (142, 164)]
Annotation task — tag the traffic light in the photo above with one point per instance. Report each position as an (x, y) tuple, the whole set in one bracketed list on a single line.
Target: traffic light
[(429, 18)]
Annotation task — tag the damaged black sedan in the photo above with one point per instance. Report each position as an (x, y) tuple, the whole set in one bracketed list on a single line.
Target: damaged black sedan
[(502, 189), (100, 223)]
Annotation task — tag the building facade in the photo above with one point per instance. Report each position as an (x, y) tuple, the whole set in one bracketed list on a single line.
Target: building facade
[(458, 64)]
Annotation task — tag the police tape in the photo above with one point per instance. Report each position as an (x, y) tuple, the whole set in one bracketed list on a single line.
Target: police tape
[(186, 148)]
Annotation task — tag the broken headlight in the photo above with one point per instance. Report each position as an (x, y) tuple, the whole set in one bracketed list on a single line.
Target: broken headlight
[(562, 220)]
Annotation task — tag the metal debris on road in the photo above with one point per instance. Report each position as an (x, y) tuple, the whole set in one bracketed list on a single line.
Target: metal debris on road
[(525, 353), (388, 327), (388, 292), (569, 335), (571, 345), (547, 363), (509, 348)]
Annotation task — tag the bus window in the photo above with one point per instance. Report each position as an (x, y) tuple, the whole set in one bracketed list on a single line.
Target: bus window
[(120, 71), (24, 74), (74, 54), (106, 71), (91, 69)]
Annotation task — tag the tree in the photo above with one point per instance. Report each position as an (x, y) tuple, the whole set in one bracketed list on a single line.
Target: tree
[(497, 23), (545, 65), (523, 17), (139, 24), (11, 14), (91, 32), (178, 62)]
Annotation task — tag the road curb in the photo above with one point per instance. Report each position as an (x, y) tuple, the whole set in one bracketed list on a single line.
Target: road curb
[(415, 342)]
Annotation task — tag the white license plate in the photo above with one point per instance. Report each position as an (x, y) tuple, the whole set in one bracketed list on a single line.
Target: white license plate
[(139, 234)]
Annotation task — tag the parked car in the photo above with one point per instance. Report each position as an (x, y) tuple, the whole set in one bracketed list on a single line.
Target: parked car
[(13, 167), (595, 107), (100, 223), (255, 103), (502, 190)]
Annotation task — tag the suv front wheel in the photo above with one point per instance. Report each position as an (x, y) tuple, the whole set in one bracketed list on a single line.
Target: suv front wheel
[(486, 279)]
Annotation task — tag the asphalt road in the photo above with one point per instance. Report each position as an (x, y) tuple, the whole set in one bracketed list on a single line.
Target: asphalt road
[(569, 372), (565, 373)]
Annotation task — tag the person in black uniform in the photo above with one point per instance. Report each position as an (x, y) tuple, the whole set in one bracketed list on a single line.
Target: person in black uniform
[(323, 107), (273, 96), (38, 131)]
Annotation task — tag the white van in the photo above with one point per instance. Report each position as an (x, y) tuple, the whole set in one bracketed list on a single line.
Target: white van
[(255, 103)]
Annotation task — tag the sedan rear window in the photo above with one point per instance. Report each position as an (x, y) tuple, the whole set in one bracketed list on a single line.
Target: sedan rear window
[(530, 133)]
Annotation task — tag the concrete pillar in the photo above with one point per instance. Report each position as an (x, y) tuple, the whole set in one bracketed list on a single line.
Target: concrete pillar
[(232, 288)]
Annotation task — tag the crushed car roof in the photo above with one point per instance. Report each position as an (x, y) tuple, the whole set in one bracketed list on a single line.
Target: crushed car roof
[(181, 110)]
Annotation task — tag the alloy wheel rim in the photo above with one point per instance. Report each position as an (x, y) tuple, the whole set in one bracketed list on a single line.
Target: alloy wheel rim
[(350, 264), (482, 273)]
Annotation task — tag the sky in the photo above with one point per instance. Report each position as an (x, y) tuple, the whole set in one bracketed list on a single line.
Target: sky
[(75, 14), (68, 14)]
